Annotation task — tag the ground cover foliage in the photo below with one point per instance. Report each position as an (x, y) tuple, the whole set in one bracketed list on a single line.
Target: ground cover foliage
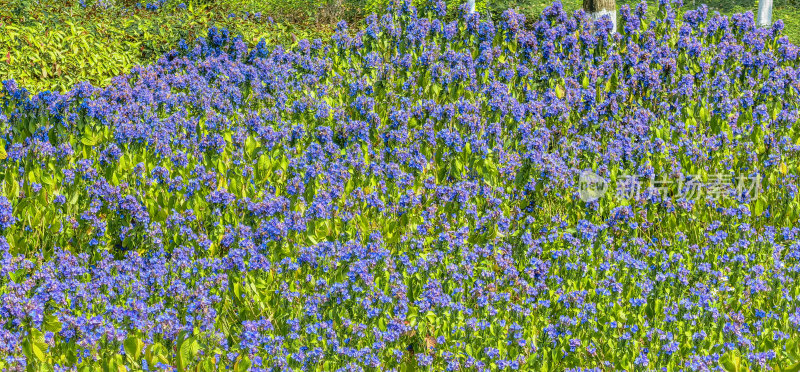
[(408, 196)]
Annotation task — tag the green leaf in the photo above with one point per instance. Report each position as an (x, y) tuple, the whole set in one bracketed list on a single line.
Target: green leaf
[(731, 362), (34, 346), (187, 350), (792, 368), (133, 347), (156, 353), (51, 323), (242, 365), (760, 206)]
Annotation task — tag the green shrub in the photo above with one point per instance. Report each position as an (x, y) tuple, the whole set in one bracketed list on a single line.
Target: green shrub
[(53, 59), (49, 46)]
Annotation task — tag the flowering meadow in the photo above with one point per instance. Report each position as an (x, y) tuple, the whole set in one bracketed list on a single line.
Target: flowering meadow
[(409, 196)]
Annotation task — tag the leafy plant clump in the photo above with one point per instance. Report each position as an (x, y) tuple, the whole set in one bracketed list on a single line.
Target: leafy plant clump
[(417, 195), (51, 45)]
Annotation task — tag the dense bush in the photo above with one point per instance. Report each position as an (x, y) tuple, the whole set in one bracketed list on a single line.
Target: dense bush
[(56, 59), (407, 197), (53, 45)]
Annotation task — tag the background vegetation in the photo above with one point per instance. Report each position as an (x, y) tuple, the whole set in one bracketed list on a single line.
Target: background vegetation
[(51, 45)]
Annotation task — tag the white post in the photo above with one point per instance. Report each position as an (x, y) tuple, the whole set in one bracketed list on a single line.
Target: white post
[(765, 13), (471, 5), (611, 14), (599, 8)]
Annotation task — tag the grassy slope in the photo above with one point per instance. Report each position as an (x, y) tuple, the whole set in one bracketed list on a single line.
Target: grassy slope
[(102, 44)]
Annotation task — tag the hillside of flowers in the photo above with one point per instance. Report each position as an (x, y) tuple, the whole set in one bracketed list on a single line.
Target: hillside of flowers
[(424, 193)]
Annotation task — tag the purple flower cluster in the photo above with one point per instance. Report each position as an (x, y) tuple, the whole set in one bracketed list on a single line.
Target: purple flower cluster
[(7, 218)]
